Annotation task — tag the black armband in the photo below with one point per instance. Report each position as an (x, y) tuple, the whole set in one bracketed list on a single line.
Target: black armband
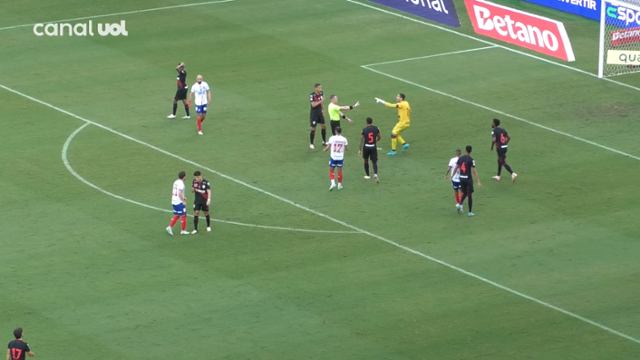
[(350, 107), (344, 116)]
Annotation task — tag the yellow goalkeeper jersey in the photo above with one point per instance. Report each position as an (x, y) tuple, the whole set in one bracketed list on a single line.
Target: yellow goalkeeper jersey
[(404, 111)]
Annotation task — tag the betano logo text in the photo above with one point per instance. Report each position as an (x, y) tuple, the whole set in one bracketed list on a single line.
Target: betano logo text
[(80, 29)]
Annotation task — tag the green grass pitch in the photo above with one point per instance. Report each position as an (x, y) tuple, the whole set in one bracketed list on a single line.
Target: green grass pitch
[(551, 260)]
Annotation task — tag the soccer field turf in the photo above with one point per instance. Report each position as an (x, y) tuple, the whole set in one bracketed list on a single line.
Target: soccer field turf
[(547, 269)]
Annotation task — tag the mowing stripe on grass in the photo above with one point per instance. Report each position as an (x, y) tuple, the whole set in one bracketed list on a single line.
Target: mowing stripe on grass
[(65, 160), (501, 113), (322, 215), (490, 43), (120, 13)]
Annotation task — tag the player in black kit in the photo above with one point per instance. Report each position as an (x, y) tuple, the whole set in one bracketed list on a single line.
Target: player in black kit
[(317, 115), (369, 148), (181, 94), (500, 139), (18, 349), (467, 167), (202, 188)]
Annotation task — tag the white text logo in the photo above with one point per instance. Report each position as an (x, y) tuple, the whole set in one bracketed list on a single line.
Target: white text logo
[(80, 29), (515, 29)]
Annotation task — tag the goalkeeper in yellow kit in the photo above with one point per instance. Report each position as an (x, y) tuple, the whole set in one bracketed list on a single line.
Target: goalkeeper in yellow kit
[(404, 120)]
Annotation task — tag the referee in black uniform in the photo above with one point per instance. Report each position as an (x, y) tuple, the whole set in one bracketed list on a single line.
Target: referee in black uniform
[(369, 148), (18, 349)]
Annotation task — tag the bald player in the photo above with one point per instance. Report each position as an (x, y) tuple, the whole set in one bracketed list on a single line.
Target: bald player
[(203, 99)]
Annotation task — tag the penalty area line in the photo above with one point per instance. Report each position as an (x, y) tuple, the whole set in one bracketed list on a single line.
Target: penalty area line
[(494, 44), (366, 67), (434, 55), (337, 221)]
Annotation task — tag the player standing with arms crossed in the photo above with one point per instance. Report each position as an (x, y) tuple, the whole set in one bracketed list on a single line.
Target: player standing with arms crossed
[(181, 94), (467, 166), (500, 138), (18, 349), (179, 202), (335, 113), (338, 145), (455, 176), (369, 148), (202, 188), (404, 121), (317, 115), (203, 100)]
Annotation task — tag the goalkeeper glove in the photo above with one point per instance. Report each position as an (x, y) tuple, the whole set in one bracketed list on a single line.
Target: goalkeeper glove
[(379, 101)]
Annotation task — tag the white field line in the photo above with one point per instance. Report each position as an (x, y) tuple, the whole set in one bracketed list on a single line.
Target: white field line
[(502, 113), (65, 160), (120, 13), (432, 56), (340, 222), (490, 43)]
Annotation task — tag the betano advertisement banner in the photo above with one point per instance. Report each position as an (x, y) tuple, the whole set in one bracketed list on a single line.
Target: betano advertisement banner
[(440, 11), (516, 27), (625, 37)]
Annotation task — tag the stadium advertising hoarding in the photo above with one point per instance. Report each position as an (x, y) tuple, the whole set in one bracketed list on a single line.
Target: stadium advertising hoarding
[(625, 37), (616, 14), (440, 11), (623, 57), (587, 8), (516, 27)]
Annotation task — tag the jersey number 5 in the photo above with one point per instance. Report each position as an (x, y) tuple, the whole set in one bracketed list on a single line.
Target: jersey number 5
[(371, 138), (16, 353)]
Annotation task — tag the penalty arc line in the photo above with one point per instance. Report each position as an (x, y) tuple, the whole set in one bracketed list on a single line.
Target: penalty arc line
[(490, 43), (121, 13), (67, 164), (328, 217), (501, 113)]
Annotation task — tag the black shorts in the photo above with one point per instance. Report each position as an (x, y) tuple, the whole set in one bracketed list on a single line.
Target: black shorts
[(502, 154), (203, 207), (334, 125), (316, 118), (370, 153), (466, 186), (181, 94)]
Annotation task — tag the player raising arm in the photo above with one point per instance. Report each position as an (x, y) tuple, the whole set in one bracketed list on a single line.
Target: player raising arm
[(335, 113), (404, 120), (181, 94)]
